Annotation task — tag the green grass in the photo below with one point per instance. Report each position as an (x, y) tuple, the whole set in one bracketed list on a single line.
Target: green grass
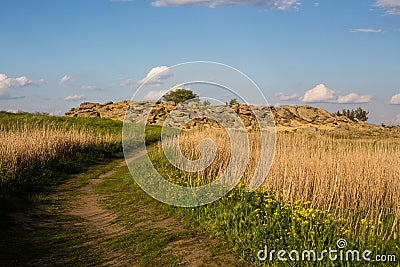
[(126, 199), (247, 221), (9, 120), (122, 195), (49, 237), (100, 125), (60, 242), (243, 222), (26, 177)]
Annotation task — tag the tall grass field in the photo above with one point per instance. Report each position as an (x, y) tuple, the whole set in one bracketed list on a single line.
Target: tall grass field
[(34, 147), (320, 189)]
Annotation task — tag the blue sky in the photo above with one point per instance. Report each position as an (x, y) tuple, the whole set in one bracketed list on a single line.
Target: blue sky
[(331, 54)]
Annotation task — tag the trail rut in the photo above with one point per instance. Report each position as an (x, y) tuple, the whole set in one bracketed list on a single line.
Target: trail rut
[(194, 251)]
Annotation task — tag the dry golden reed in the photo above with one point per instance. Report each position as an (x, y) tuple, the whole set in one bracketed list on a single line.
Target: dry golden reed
[(355, 178), (33, 145)]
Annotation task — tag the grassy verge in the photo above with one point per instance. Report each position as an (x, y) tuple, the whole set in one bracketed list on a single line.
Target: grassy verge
[(36, 230), (127, 200), (152, 240)]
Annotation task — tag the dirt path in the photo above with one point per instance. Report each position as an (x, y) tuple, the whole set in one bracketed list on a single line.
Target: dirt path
[(99, 218), (194, 250)]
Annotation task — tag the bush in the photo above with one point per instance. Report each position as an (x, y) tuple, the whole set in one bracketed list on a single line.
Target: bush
[(233, 102), (206, 103), (180, 95), (357, 114)]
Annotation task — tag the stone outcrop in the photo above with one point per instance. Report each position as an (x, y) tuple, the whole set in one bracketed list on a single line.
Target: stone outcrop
[(107, 110), (286, 118)]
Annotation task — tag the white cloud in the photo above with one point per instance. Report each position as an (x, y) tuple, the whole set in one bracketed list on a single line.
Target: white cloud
[(392, 7), (319, 93), (397, 118), (316, 4), (365, 30), (284, 97), (322, 94), (154, 95), (395, 100), (75, 97), (156, 75), (272, 4), (354, 98), (89, 87), (124, 82), (7, 83), (64, 79)]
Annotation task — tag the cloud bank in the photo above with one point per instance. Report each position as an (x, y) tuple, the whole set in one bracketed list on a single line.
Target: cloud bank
[(271, 4), (322, 94), (154, 95), (8, 83), (89, 88), (122, 82), (75, 97), (395, 100), (392, 7), (284, 97), (156, 76), (354, 98)]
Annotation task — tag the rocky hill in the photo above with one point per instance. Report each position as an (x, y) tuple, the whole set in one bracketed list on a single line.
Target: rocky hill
[(286, 118)]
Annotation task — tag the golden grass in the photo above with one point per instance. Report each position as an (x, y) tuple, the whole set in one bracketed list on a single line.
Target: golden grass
[(34, 145), (355, 178), (350, 177)]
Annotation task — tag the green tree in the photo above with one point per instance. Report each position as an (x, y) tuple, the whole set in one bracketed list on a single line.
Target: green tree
[(359, 114), (233, 102), (206, 103), (180, 95)]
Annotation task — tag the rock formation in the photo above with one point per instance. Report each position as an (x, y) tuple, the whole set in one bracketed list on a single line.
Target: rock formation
[(286, 118)]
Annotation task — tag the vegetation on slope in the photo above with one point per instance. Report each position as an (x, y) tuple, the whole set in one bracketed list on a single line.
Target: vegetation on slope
[(320, 189), (354, 114), (34, 148)]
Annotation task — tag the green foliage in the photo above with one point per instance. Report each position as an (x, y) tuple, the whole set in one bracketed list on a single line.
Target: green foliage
[(206, 103), (359, 114), (233, 102), (180, 95)]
